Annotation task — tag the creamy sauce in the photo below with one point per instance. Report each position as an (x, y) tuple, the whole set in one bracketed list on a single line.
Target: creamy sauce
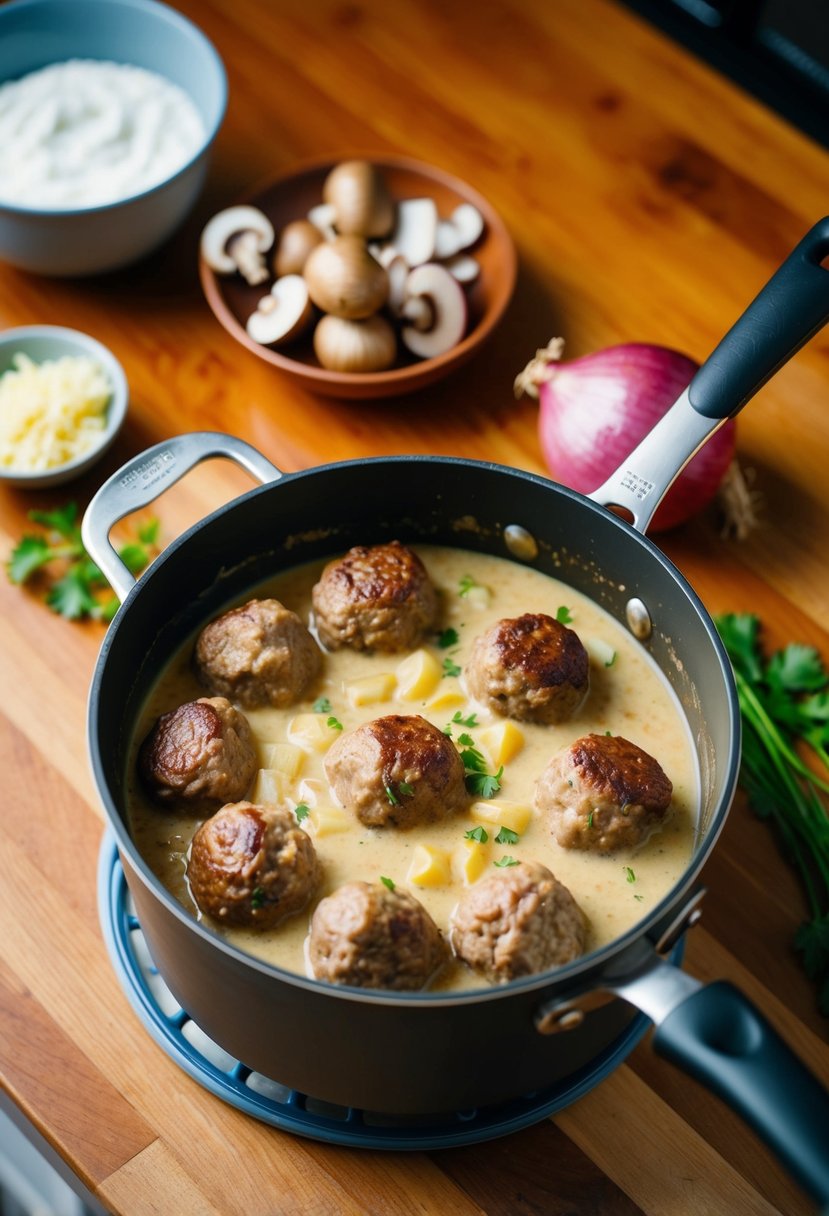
[(630, 697), (87, 132)]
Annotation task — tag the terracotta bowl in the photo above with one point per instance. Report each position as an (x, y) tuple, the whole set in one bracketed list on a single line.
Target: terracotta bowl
[(291, 197)]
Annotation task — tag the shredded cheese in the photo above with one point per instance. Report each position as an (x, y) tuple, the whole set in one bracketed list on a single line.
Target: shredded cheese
[(51, 412)]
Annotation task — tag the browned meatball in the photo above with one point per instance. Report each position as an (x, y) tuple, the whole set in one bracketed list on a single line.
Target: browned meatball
[(375, 599), (397, 770), (531, 667), (372, 937), (259, 654), (517, 921), (603, 793), (199, 756), (251, 865)]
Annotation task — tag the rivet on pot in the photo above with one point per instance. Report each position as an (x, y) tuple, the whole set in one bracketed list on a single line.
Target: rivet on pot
[(561, 1017), (639, 619), (521, 543)]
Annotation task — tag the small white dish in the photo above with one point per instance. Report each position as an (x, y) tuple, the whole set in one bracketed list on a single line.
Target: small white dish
[(42, 342)]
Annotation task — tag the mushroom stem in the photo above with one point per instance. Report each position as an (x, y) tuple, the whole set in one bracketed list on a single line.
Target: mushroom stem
[(419, 311), (245, 252)]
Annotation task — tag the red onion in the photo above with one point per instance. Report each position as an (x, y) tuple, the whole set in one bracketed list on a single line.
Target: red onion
[(595, 410)]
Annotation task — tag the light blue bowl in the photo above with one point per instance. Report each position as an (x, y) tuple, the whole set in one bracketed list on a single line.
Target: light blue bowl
[(42, 342), (34, 33)]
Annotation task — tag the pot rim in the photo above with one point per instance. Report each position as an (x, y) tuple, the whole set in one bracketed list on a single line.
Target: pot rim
[(567, 976)]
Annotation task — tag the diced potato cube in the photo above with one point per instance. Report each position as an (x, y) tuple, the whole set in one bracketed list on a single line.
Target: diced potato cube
[(269, 786), (370, 689), (430, 867), (418, 676), (470, 860), (447, 698), (309, 731), (513, 815), (285, 757), (600, 651), (501, 742), (312, 791), (326, 820)]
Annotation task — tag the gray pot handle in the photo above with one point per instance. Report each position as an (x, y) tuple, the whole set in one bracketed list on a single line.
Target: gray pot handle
[(790, 309), (716, 1035), (147, 475)]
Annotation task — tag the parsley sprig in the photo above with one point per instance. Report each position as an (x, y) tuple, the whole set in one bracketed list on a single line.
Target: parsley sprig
[(784, 705), (78, 589), (478, 780)]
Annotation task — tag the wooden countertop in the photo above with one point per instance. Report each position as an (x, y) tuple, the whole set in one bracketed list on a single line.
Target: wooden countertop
[(649, 200)]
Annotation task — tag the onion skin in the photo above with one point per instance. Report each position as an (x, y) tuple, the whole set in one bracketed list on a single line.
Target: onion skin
[(596, 409)]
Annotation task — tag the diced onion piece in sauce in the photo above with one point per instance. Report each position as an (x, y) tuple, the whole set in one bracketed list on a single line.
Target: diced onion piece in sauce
[(269, 787), (501, 742), (513, 815), (369, 690), (311, 791), (478, 597), (418, 676), (310, 732), (286, 757), (327, 820), (430, 867), (469, 860)]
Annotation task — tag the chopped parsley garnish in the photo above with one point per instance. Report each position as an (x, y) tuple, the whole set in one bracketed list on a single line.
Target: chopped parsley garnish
[(334, 723), (507, 836), (302, 812), (405, 789), (639, 898), (629, 874), (784, 706), (81, 589), (451, 668), (563, 615), (388, 882), (485, 785), (257, 899), (589, 817), (469, 720), (466, 584), (448, 638), (323, 706), (466, 741), (505, 861), (392, 797), (480, 834)]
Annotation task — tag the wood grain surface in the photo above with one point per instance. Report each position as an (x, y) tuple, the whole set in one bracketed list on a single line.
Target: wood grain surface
[(649, 200)]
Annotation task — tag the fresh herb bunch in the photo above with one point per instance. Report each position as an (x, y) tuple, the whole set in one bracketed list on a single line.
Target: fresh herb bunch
[(784, 704), (81, 590)]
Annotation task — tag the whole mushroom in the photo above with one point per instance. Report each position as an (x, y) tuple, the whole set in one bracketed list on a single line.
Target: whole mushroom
[(344, 279), (342, 345), (362, 205), (296, 240)]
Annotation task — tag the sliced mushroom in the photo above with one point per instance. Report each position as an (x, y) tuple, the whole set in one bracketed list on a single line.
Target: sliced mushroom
[(342, 345), (414, 234), (344, 279), (284, 314), (435, 306), (397, 268), (322, 217), (463, 268), (296, 240), (462, 229), (236, 239), (357, 191)]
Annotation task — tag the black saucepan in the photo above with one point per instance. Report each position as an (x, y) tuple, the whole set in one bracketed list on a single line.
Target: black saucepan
[(430, 1052)]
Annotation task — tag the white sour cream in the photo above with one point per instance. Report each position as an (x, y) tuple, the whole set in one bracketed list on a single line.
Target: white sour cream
[(88, 132)]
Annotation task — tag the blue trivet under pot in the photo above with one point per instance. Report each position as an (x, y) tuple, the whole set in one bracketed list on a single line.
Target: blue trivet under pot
[(266, 1099)]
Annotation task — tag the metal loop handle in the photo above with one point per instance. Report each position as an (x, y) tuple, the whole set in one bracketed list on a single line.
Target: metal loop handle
[(142, 479)]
